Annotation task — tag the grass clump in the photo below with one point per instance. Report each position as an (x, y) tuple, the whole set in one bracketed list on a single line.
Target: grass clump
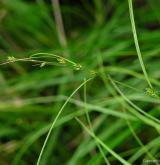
[(43, 108)]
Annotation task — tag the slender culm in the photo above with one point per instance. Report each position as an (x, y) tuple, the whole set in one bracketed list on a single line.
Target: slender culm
[(137, 43)]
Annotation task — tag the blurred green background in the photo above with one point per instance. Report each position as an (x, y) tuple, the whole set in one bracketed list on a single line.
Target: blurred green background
[(98, 35)]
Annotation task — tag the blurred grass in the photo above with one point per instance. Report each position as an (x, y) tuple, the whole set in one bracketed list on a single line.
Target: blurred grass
[(99, 37)]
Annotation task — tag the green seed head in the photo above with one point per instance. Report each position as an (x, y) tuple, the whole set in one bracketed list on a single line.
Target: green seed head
[(77, 66), (93, 73), (61, 60), (11, 59), (152, 92), (43, 64)]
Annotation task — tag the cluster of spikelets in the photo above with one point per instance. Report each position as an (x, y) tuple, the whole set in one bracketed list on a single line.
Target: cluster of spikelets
[(41, 59), (63, 61)]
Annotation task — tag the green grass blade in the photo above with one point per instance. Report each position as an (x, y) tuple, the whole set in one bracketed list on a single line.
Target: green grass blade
[(90, 124), (56, 118), (118, 157), (157, 121), (137, 43)]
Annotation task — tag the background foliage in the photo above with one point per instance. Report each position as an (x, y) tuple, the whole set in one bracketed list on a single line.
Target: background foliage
[(99, 37)]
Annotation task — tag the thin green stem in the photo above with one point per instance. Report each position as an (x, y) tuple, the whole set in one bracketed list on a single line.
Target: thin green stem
[(137, 43), (118, 157), (56, 118), (90, 124), (137, 138), (152, 120)]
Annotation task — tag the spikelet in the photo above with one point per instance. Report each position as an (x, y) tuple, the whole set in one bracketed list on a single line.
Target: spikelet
[(152, 92), (77, 66), (61, 60), (11, 59), (93, 73), (43, 64)]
